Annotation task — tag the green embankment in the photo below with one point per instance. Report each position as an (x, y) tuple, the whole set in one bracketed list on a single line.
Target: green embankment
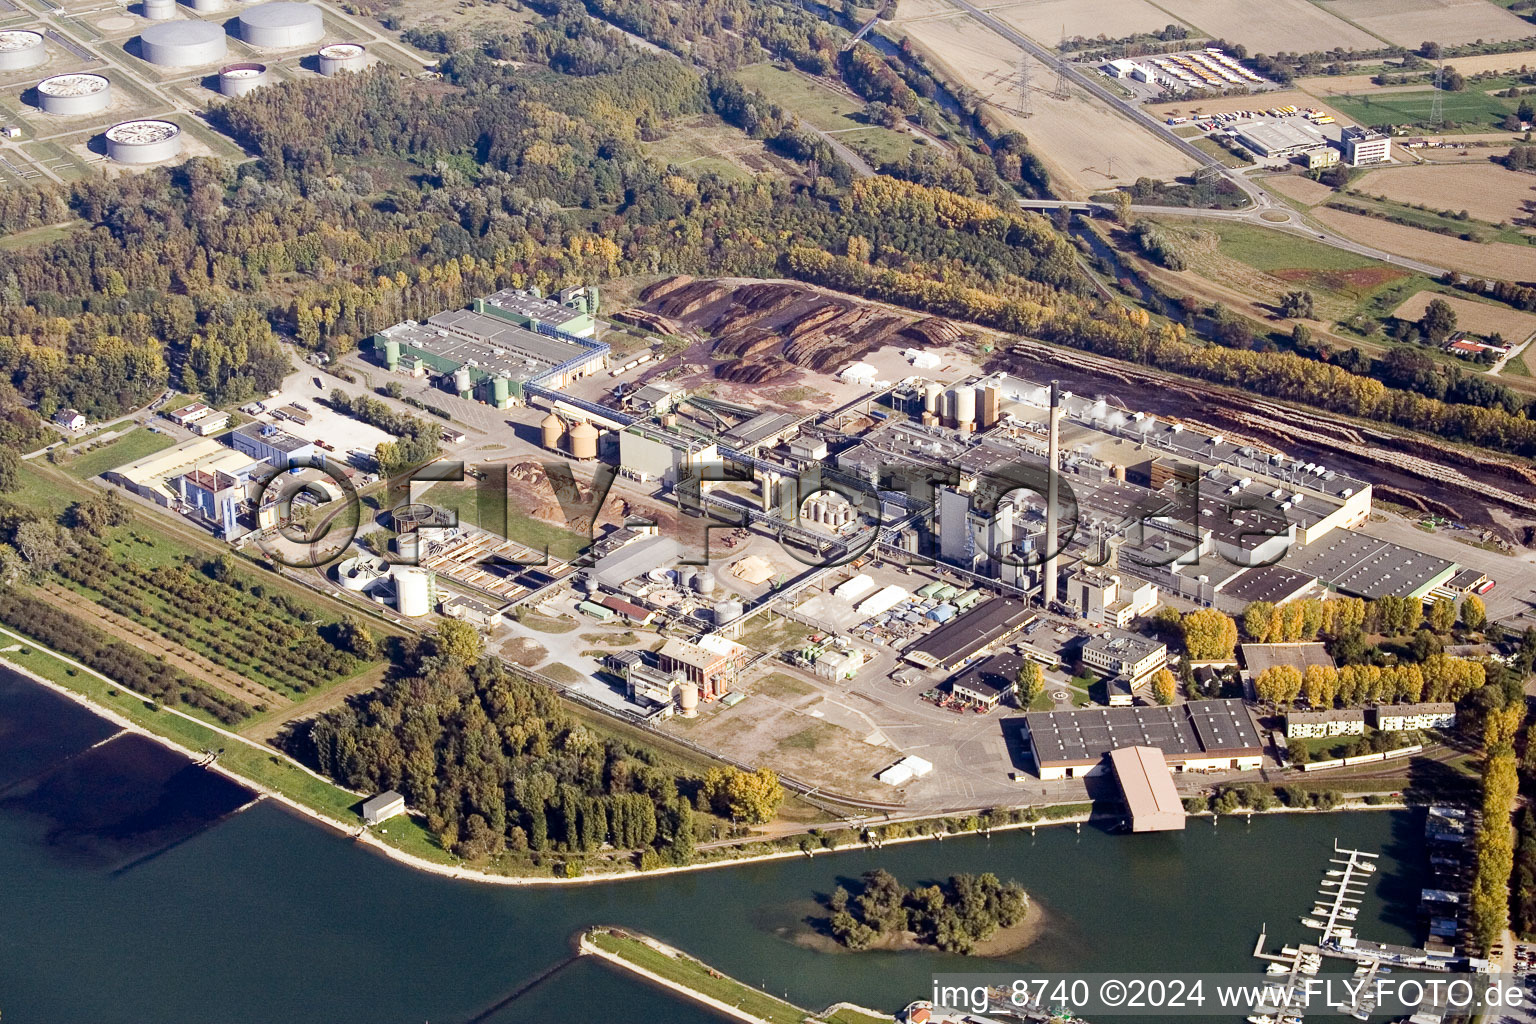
[(699, 977)]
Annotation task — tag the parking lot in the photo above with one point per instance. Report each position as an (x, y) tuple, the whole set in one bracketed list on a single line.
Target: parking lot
[(325, 424)]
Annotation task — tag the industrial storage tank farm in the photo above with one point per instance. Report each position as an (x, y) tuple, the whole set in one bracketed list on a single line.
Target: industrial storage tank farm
[(239, 79), (281, 25), (21, 49), (143, 142), (339, 57), (67, 95), (182, 44)]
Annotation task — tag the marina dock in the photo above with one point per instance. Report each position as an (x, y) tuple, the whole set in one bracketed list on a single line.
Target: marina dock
[(1333, 915)]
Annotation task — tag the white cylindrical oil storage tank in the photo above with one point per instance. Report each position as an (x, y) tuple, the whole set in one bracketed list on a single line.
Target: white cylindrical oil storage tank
[(20, 49), (143, 142), (281, 25), (159, 10), (584, 441), (685, 576), (727, 612), (239, 79), (551, 430), (413, 591), (704, 582), (339, 57), (463, 383), (931, 392), (965, 408), (68, 95), (182, 44), (408, 546), (206, 6), (688, 700)]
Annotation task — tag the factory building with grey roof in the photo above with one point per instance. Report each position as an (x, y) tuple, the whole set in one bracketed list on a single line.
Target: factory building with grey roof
[(1204, 735)]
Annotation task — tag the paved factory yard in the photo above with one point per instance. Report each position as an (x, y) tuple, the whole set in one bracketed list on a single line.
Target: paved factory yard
[(326, 424)]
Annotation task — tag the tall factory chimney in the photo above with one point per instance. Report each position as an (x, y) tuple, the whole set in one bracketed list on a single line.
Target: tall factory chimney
[(1053, 463)]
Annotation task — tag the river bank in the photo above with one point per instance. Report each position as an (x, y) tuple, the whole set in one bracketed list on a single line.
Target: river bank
[(277, 777), (677, 972)]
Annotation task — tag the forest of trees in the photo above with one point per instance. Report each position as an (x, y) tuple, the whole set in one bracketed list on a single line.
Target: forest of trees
[(954, 916), (499, 764)]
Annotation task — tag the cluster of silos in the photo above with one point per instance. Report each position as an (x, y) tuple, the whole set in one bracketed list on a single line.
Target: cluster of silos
[(71, 95), (21, 49), (580, 441), (143, 142), (964, 408), (182, 44), (282, 25), (340, 57), (239, 79)]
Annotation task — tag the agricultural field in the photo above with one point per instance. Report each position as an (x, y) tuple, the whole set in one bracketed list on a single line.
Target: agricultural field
[(1277, 26), (1448, 22), (1264, 265), (704, 143), (1085, 146), (908, 10), (821, 106), (1479, 318), (1298, 187), (1487, 191), (1045, 21), (260, 646), (1500, 260), (129, 447), (1470, 108)]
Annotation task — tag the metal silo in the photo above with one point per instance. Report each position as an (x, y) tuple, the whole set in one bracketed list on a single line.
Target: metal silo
[(727, 611), (281, 25), (704, 583), (239, 79), (143, 142), (69, 95), (463, 383), (551, 430), (159, 10), (21, 49), (182, 44), (339, 57), (584, 441)]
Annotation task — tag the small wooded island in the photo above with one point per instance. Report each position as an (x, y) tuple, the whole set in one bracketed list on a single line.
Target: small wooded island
[(956, 916)]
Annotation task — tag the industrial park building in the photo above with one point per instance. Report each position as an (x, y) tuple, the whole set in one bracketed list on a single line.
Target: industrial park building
[(1278, 138), (1204, 735), (1151, 800), (1363, 146), (483, 354)]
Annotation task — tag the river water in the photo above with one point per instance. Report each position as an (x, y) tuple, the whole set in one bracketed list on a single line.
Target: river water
[(133, 889)]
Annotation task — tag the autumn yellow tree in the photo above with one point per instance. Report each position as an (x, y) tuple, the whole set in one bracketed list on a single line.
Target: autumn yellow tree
[(1279, 685), (749, 797), (1164, 686), (1209, 635)]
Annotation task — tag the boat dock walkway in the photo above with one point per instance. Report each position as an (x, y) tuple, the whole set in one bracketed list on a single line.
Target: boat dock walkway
[(1333, 916)]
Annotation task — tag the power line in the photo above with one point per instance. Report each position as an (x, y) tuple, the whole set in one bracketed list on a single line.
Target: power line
[(1437, 102), (1024, 86)]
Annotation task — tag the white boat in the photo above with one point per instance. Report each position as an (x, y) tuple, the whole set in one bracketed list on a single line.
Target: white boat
[(1312, 922), (1340, 932), (1335, 874), (1260, 1018), (1277, 968)]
